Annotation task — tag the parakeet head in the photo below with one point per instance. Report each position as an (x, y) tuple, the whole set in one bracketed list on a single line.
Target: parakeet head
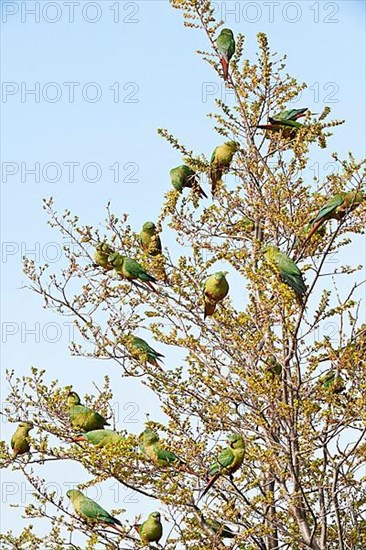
[(73, 399), (236, 441), (220, 275), (104, 247), (228, 32), (333, 381), (149, 227), (149, 437), (113, 257), (155, 516), (72, 494), (28, 425), (269, 250), (273, 365), (233, 145)]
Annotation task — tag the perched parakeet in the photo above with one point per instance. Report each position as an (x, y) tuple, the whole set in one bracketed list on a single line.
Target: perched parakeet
[(287, 115), (245, 224), (183, 176), (100, 438), (215, 289), (81, 417), (149, 239), (150, 446), (273, 367), (102, 251), (332, 381), (150, 243), (286, 121), (130, 269), (337, 207), (20, 440), (287, 269), (91, 511), (151, 530), (226, 45), (220, 162), (143, 352), (228, 462), (222, 530)]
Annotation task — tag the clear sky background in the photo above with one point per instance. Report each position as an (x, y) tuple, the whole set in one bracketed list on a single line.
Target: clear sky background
[(142, 50)]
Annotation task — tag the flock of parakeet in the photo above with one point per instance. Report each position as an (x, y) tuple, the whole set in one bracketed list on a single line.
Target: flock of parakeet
[(90, 425)]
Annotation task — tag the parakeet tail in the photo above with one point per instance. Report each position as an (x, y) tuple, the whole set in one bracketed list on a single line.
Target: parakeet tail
[(118, 527), (196, 187), (225, 68), (209, 485), (267, 126), (155, 363), (215, 176), (209, 308), (314, 229), (79, 438), (150, 285), (201, 192)]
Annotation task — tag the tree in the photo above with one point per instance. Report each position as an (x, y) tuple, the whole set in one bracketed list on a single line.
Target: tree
[(259, 366)]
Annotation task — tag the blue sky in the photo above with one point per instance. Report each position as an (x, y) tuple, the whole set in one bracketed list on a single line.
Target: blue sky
[(149, 57)]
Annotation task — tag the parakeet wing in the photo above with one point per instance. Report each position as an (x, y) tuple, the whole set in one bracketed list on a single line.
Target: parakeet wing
[(132, 267), (290, 273), (225, 459), (163, 454), (213, 156), (330, 206), (92, 510), (287, 265)]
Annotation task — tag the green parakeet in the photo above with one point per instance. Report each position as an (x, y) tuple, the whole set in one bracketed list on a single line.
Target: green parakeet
[(287, 115), (150, 446), (332, 381), (273, 367), (20, 440), (151, 530), (102, 252), (100, 438), (215, 289), (245, 224), (220, 162), (183, 176), (83, 418), (91, 511), (228, 462), (337, 207), (287, 269), (226, 45), (285, 122), (222, 530), (150, 243), (130, 269), (149, 239), (143, 352)]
